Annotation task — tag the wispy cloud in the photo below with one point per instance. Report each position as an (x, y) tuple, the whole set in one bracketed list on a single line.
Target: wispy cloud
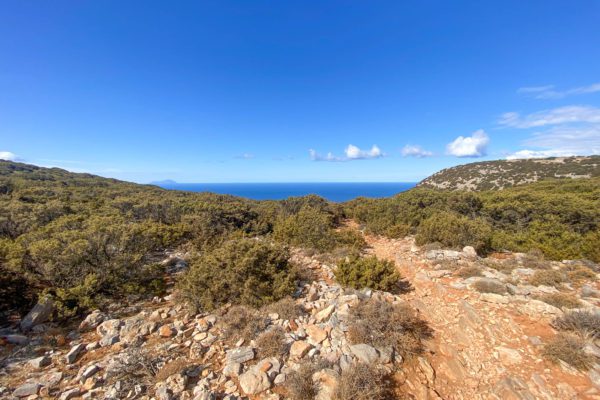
[(562, 131), (245, 156), (555, 116), (351, 153), (549, 92), (469, 146), (8, 156), (415, 151)]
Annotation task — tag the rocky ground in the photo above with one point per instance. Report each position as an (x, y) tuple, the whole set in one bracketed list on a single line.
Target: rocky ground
[(484, 345)]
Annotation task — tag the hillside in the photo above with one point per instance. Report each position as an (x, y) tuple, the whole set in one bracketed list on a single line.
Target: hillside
[(500, 174), (116, 290)]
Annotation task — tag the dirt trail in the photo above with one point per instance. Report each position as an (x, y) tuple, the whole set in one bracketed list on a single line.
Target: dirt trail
[(480, 349)]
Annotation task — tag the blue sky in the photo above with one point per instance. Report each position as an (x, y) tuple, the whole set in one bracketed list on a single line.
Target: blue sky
[(283, 91)]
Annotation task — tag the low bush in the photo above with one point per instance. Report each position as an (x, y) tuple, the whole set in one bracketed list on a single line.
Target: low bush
[(456, 231), (382, 324), (569, 349), (286, 308), (489, 286), (560, 300), (310, 227), (299, 383), (469, 272), (363, 382), (550, 277), (398, 231), (579, 274), (241, 271), (272, 343), (368, 272), (584, 323), (240, 322)]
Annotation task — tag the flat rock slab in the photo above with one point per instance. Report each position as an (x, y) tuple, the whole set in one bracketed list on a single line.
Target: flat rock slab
[(240, 355), (74, 352)]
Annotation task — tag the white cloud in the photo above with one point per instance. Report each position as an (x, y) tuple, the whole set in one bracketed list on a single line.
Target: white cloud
[(548, 92), (415, 151), (354, 153), (469, 146), (351, 152), (521, 154), (8, 156), (555, 116)]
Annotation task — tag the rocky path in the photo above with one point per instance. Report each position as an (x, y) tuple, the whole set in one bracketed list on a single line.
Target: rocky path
[(485, 345)]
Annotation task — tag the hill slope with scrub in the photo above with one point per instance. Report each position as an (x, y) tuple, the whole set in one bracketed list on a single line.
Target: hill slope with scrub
[(501, 174)]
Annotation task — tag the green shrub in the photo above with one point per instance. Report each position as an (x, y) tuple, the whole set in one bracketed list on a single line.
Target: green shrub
[(455, 231), (309, 227), (243, 271), (368, 272)]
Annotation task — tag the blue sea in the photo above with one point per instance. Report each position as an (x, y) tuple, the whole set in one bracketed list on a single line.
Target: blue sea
[(336, 192)]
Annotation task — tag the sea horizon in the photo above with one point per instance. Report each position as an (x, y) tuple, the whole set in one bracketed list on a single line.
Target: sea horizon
[(332, 191)]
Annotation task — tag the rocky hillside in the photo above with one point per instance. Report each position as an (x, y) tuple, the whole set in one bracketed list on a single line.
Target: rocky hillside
[(492, 329), (500, 174)]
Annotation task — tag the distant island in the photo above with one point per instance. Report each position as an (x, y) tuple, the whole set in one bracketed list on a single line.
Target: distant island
[(163, 182)]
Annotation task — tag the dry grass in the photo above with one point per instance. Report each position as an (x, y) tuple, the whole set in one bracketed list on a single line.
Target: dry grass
[(363, 382), (171, 368), (243, 322), (547, 277), (584, 323), (488, 286), (579, 274), (469, 272), (535, 259), (299, 383), (505, 266), (286, 308), (383, 324), (560, 300), (272, 343), (568, 348)]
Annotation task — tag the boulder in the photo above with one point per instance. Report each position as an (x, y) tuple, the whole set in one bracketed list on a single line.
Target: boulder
[(325, 313), (469, 252), (299, 349), (70, 394), (109, 327), (92, 320), (364, 353), (38, 314), (109, 340), (316, 334), (254, 381), (27, 389), (40, 362), (232, 370), (16, 339), (74, 352)]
